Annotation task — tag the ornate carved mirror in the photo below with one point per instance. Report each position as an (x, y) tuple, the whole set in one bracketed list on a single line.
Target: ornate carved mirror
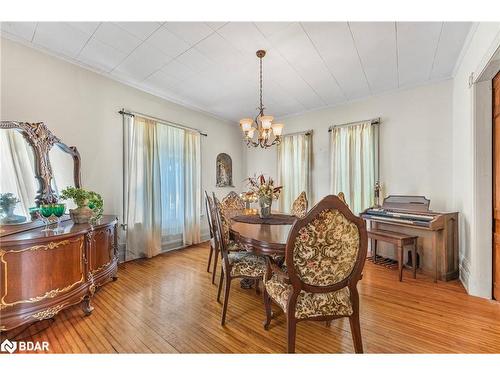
[(36, 166)]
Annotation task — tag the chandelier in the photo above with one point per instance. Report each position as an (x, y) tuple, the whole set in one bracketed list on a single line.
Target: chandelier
[(262, 124)]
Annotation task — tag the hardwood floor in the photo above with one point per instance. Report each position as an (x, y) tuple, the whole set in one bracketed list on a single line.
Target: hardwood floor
[(167, 305)]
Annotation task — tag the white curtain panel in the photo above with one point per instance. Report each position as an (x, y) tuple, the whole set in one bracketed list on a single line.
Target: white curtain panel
[(192, 188), (353, 164), (294, 168), (143, 205), (162, 187), (17, 169)]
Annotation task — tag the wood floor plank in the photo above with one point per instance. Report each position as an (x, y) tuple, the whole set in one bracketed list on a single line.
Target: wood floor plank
[(167, 305)]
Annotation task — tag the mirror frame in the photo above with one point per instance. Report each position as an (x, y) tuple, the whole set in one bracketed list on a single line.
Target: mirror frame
[(41, 139)]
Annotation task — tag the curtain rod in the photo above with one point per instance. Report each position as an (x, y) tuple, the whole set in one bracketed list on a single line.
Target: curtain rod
[(374, 121), (306, 132), (174, 124)]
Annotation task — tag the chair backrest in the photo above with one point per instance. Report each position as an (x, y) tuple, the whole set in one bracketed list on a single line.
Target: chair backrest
[(233, 201), (299, 206), (221, 229), (326, 249), (209, 211), (341, 195)]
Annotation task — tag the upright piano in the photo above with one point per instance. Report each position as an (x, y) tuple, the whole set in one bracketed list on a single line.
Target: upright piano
[(437, 231)]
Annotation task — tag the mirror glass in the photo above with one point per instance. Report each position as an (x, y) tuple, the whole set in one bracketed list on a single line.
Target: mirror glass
[(18, 185), (62, 171)]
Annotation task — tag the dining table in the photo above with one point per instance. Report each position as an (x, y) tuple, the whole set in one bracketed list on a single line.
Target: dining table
[(262, 236)]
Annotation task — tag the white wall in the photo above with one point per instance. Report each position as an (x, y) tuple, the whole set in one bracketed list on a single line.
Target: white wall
[(415, 142), (81, 107), (475, 272)]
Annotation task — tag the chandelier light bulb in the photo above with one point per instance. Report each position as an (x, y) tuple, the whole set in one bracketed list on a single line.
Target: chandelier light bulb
[(277, 129)]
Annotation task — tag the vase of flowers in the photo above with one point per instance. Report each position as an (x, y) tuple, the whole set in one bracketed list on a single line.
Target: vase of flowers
[(266, 192), (89, 205), (8, 202)]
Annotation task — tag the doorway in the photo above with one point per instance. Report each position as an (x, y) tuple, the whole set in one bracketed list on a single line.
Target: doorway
[(496, 185)]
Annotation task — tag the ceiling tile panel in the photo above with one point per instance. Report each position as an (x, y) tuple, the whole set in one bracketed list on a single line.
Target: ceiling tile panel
[(60, 37), (219, 50), (336, 46), (190, 32), (101, 56), (417, 43), (116, 37), (168, 42), (450, 44), (23, 30), (270, 28), (86, 27), (376, 44), (194, 60), (245, 37), (141, 30), (177, 71)]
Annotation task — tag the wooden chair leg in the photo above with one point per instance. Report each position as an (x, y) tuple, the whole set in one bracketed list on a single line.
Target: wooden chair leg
[(219, 289), (216, 258), (257, 289), (374, 251), (400, 262), (356, 332), (414, 259), (267, 307), (210, 256), (328, 323), (291, 333), (227, 285)]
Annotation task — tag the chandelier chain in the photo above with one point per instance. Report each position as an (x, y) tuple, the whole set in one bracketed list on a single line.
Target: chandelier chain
[(260, 82)]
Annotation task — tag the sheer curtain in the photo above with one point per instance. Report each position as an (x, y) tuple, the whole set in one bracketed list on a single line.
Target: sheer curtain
[(294, 168), (162, 187), (353, 160), (17, 170)]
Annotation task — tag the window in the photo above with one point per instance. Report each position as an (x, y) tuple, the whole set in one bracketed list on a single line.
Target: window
[(354, 163), (294, 168), (162, 186)]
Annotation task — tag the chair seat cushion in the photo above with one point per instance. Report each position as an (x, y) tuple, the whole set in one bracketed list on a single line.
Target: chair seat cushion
[(310, 305), (234, 246), (245, 264)]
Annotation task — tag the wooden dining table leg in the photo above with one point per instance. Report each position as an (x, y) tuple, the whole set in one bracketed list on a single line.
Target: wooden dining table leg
[(400, 261), (414, 258)]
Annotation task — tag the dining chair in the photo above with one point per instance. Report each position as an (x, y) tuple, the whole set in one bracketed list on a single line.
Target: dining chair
[(325, 254), (299, 205), (209, 210), (233, 201), (341, 195), (235, 264)]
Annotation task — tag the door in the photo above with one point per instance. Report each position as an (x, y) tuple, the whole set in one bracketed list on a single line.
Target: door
[(496, 187)]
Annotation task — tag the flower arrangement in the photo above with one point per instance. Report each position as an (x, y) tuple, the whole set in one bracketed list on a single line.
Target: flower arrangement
[(7, 202), (265, 191), (263, 188)]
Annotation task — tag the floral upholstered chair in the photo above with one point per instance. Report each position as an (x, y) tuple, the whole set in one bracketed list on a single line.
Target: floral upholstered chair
[(233, 201), (299, 206), (324, 258), (235, 264)]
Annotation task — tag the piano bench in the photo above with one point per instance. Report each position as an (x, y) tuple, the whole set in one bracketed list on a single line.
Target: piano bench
[(399, 240)]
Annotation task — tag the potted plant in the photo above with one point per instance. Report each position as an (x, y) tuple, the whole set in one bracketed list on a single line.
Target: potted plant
[(8, 202), (89, 204), (265, 192)]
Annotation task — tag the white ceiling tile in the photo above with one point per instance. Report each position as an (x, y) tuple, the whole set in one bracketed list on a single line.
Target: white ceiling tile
[(417, 43), (191, 32), (215, 25), (143, 62), (177, 71), (270, 28), (376, 44), (450, 44), (117, 37), (60, 37), (336, 46), (245, 37), (168, 42), (24, 30), (194, 60), (295, 46), (86, 27), (219, 50), (160, 82), (141, 30), (100, 55)]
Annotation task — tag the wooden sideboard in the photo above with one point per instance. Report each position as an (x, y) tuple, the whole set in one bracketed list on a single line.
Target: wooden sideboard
[(42, 274)]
